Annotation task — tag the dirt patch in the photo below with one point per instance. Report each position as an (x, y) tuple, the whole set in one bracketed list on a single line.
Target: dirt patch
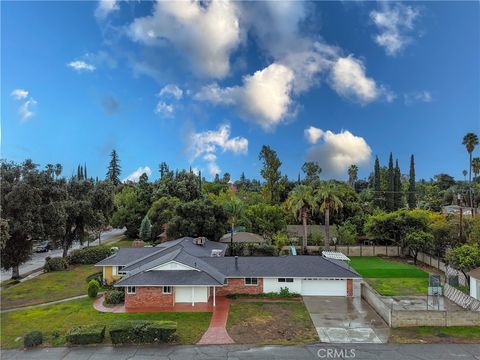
[(271, 322), (412, 336)]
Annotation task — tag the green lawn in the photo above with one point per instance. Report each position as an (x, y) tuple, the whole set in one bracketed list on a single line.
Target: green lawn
[(55, 320), (390, 277), (122, 243), (269, 322), (48, 287), (432, 334)]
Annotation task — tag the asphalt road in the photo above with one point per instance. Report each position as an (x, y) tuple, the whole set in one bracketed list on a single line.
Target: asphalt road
[(239, 352), (38, 259)]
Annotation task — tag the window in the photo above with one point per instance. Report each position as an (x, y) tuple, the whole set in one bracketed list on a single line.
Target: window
[(288, 280), (131, 289), (119, 270), (251, 281), (167, 289)]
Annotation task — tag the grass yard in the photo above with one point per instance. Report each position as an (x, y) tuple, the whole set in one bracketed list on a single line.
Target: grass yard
[(390, 277), (433, 335), (122, 243), (48, 287), (263, 322), (55, 320)]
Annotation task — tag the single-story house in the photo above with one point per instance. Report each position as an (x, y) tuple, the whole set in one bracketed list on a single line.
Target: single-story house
[(242, 237), (475, 283), (195, 271)]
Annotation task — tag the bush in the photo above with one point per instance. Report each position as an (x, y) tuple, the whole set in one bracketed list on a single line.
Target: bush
[(347, 233), (142, 331), (89, 255), (264, 250), (55, 264), (33, 338), (89, 334), (96, 276), (114, 297), (284, 293), (93, 287)]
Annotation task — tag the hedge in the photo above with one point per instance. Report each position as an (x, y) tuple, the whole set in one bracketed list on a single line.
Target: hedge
[(114, 297), (89, 255), (57, 263), (142, 331), (88, 334), (93, 287), (33, 338)]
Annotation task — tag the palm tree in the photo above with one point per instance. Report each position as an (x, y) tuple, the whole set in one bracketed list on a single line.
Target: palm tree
[(235, 209), (300, 201), (476, 166), (352, 175), (327, 197), (470, 140), (58, 170), (465, 173)]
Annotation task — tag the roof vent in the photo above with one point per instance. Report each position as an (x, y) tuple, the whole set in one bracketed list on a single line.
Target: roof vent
[(216, 253), (200, 241)]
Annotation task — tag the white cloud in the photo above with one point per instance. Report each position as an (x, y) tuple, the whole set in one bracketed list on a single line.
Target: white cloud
[(171, 90), (206, 144), (206, 33), (135, 176), (164, 109), (26, 110), (349, 80), (417, 96), (80, 66), (19, 94), (338, 151), (105, 7), (313, 134), (394, 22)]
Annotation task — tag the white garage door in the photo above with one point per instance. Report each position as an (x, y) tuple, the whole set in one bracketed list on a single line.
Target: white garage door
[(184, 294), (324, 287)]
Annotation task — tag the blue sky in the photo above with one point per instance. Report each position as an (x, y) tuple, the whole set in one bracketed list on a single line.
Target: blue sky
[(206, 85)]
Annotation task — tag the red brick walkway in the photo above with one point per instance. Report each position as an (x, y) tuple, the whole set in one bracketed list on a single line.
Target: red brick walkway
[(217, 333)]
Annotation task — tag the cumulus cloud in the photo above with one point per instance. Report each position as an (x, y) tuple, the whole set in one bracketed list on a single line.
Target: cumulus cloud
[(105, 7), (81, 66), (336, 152), (206, 33), (313, 134), (395, 23), (164, 109), (417, 96), (135, 176), (206, 144), (171, 90), (19, 94)]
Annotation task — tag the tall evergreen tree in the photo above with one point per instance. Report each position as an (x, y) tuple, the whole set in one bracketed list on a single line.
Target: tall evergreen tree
[(397, 181), (390, 201), (271, 173), (377, 184), (412, 196), (114, 169), (164, 170), (85, 176)]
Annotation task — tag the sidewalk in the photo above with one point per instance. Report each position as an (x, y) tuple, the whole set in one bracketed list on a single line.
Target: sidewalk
[(217, 332)]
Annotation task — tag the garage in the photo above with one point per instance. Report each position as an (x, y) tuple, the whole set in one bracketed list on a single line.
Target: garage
[(191, 294), (315, 287)]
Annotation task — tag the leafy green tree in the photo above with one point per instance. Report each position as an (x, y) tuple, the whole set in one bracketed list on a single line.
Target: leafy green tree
[(164, 169), (352, 175), (464, 258), (271, 173), (412, 196), (129, 212), (347, 233), (312, 172), (327, 197), (183, 185), (389, 196), (235, 210), (417, 241), (161, 212), (103, 204), (476, 166), (145, 229), (114, 169), (265, 219), (300, 202), (226, 178), (444, 181)]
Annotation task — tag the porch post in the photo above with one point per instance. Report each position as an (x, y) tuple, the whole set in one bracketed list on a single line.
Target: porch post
[(214, 296), (193, 296)]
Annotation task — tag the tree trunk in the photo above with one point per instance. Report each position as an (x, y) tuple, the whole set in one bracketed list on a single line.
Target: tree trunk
[(15, 272), (304, 221), (65, 251), (327, 228), (470, 184)]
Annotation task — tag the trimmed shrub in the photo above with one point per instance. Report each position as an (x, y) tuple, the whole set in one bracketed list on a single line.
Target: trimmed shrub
[(96, 276), (142, 331), (93, 287), (114, 297), (57, 263), (89, 334), (33, 338), (89, 255)]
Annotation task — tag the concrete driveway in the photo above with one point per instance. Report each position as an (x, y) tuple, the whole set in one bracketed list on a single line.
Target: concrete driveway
[(346, 320)]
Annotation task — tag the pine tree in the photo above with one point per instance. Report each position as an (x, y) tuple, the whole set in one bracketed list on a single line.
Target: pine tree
[(377, 187), (412, 196), (79, 172), (145, 229), (85, 171), (114, 169), (390, 201), (398, 195)]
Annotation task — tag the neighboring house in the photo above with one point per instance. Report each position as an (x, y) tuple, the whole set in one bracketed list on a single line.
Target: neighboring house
[(456, 209), (475, 283), (242, 237), (194, 271)]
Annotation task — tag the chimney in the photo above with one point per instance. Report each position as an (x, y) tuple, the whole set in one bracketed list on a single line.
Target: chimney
[(236, 262)]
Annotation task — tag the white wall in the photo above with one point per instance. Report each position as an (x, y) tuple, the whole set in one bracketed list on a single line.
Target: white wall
[(172, 265), (474, 288), (272, 285)]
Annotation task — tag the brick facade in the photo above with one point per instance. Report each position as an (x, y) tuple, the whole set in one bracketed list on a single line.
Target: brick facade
[(237, 286), (349, 287), (149, 297)]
